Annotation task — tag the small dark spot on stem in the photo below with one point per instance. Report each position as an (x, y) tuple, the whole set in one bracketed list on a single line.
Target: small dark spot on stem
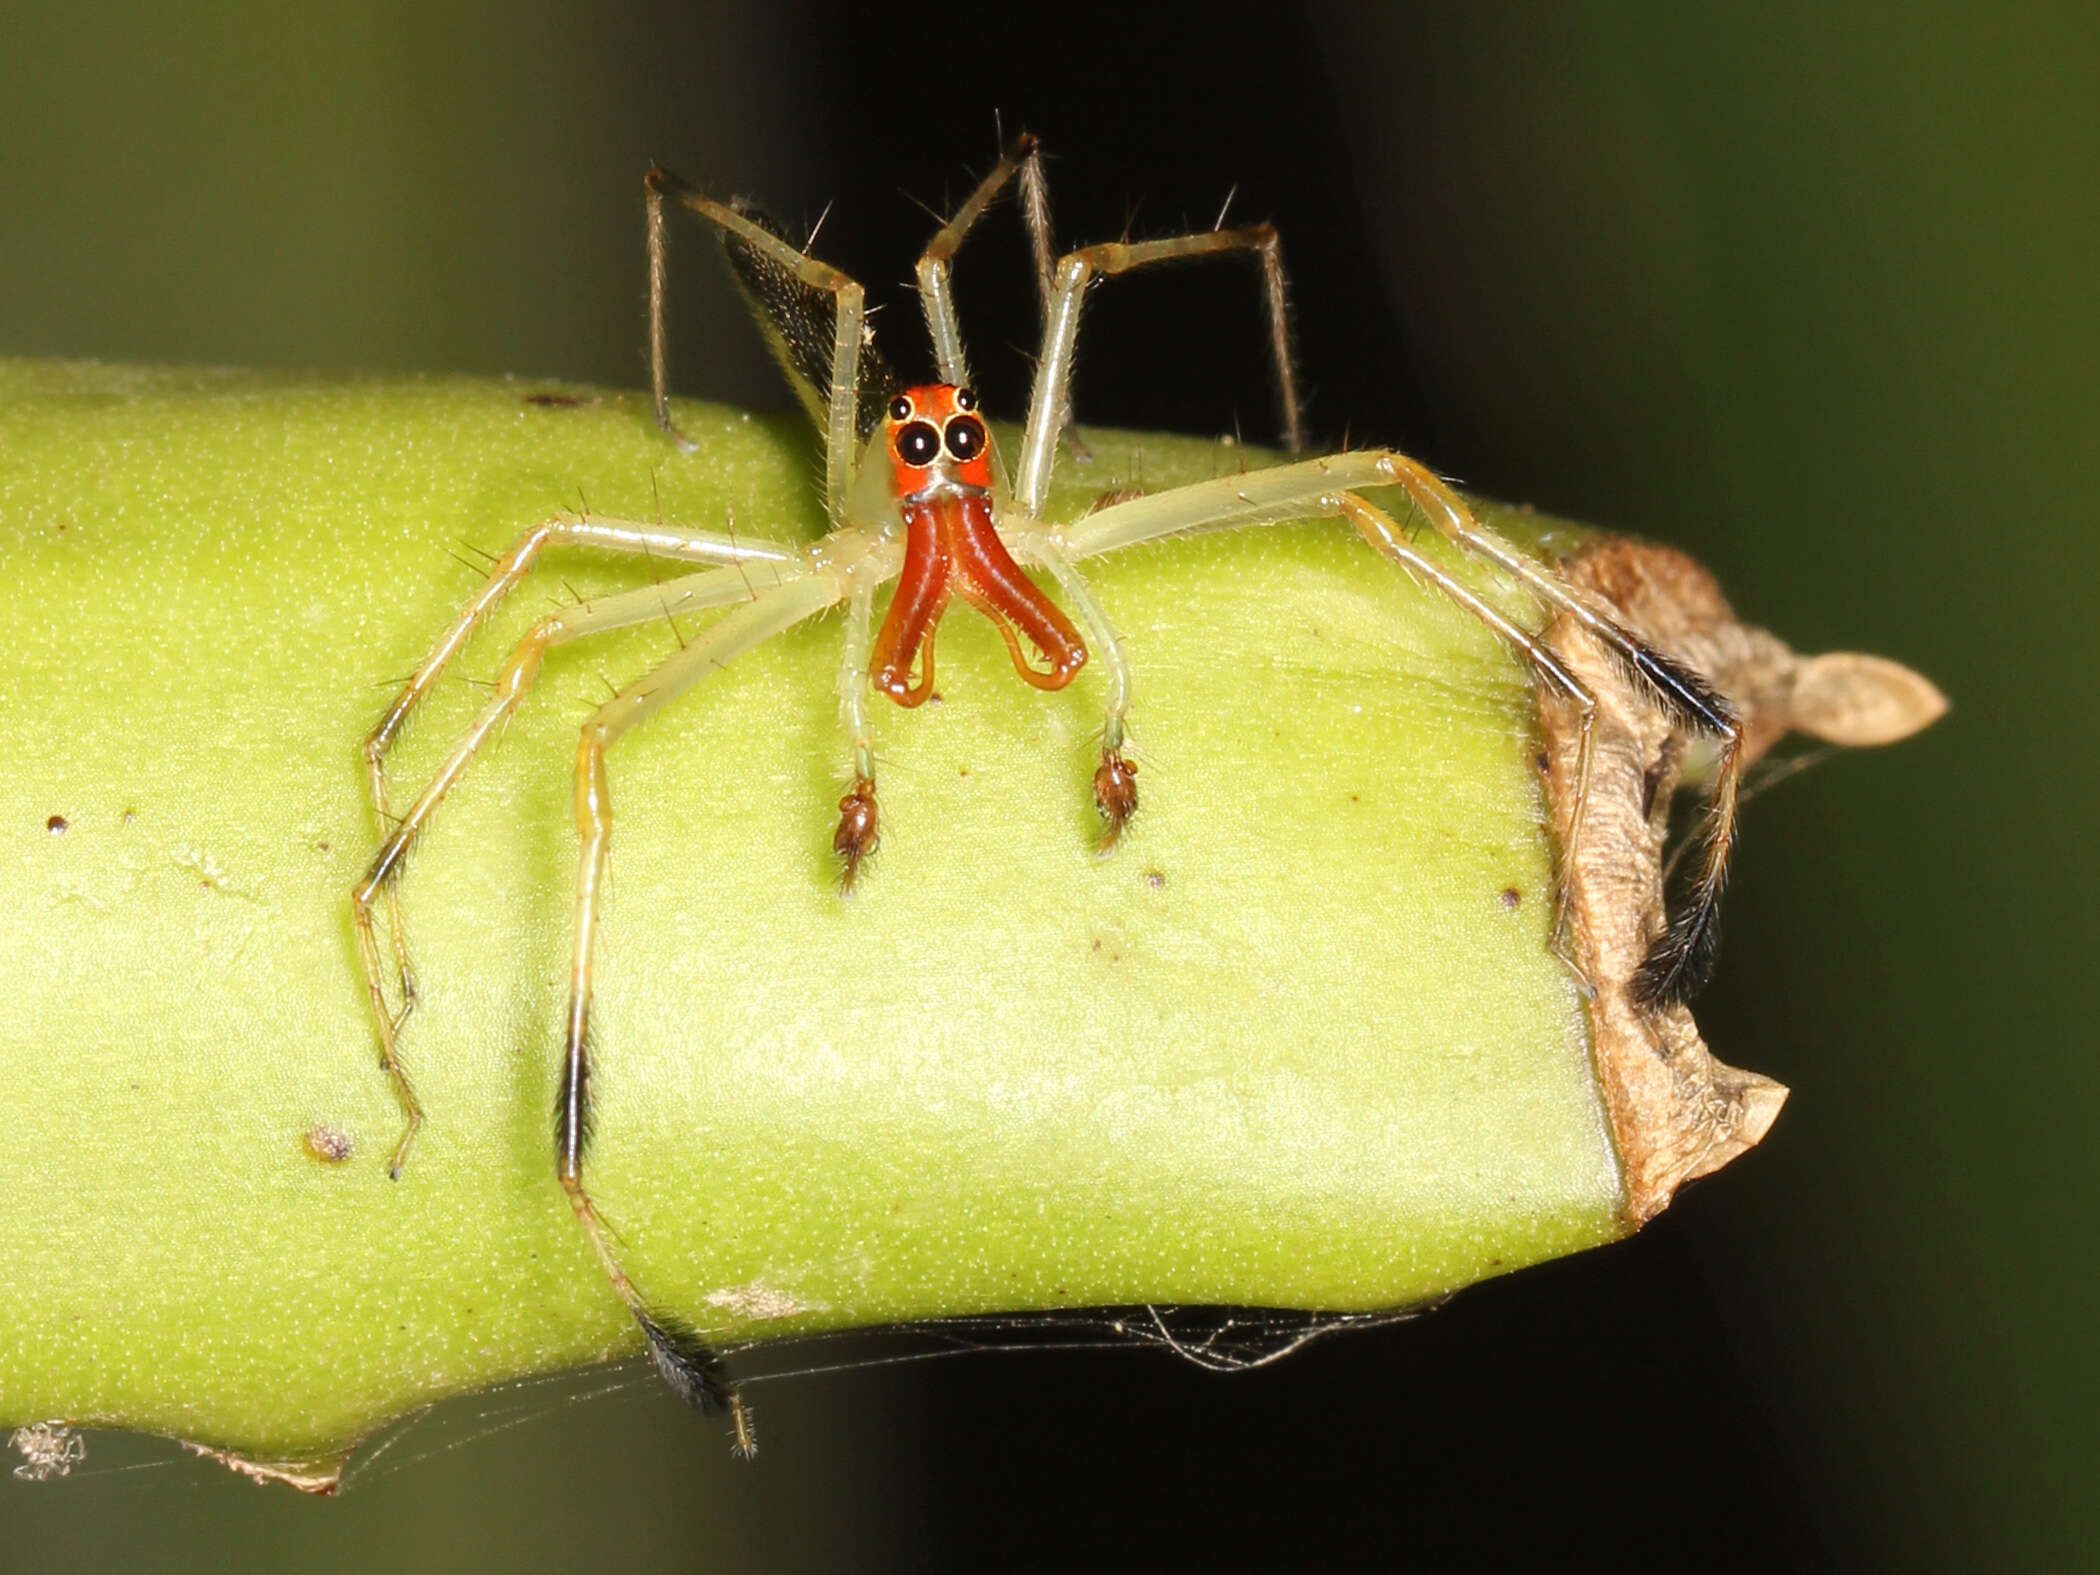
[(324, 847), (56, 825), (1511, 897), (129, 816), (1544, 763), (329, 1145), (1155, 879), (559, 401)]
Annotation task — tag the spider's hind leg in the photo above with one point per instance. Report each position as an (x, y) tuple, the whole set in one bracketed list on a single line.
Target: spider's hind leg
[(813, 317)]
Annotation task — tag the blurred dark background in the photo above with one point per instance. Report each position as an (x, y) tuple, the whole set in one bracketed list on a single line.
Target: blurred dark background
[(1807, 289)]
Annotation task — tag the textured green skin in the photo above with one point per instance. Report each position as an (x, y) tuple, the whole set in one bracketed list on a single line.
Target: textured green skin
[(1289, 1045)]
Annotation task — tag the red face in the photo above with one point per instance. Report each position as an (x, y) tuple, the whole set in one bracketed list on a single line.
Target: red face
[(937, 437)]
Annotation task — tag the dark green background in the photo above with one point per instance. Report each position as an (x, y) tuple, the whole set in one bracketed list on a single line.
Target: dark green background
[(1807, 289)]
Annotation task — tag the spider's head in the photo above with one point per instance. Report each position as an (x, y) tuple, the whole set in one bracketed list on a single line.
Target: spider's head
[(937, 442)]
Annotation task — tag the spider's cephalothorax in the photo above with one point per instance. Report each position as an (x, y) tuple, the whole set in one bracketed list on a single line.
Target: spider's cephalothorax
[(941, 476)]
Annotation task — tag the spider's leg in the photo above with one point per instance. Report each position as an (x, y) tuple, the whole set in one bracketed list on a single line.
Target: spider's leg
[(1682, 957), (1390, 541), (1035, 209), (785, 288), (1683, 954), (1115, 779), (1050, 404), (859, 819), (684, 1361), (656, 541), (935, 295), (692, 593)]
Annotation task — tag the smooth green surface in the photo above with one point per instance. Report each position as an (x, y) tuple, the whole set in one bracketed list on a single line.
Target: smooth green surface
[(1288, 1046)]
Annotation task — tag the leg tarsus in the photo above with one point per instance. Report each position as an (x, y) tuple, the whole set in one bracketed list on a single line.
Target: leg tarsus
[(686, 1362), (669, 428), (1682, 959), (693, 1369), (387, 1021), (1115, 794), (859, 831)]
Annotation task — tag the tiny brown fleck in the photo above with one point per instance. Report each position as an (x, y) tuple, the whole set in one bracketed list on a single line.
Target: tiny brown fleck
[(56, 825), (330, 1145), (1511, 897), (1155, 879), (129, 816), (559, 401)]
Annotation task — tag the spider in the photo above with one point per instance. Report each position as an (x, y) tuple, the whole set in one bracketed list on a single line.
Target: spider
[(915, 493)]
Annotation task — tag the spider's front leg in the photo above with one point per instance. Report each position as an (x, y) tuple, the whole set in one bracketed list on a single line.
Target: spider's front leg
[(1682, 958), (1682, 955)]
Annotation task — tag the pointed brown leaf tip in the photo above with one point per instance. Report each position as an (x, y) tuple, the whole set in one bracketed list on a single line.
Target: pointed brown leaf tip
[(858, 830), (1115, 795)]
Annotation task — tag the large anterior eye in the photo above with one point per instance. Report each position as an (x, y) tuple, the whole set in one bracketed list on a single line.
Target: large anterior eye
[(918, 444), (966, 437)]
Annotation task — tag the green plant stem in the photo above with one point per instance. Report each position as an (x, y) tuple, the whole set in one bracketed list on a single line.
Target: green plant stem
[(1300, 1041)]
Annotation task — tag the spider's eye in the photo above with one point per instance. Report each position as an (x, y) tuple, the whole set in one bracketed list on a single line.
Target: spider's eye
[(965, 436), (900, 409), (966, 399), (918, 444)]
